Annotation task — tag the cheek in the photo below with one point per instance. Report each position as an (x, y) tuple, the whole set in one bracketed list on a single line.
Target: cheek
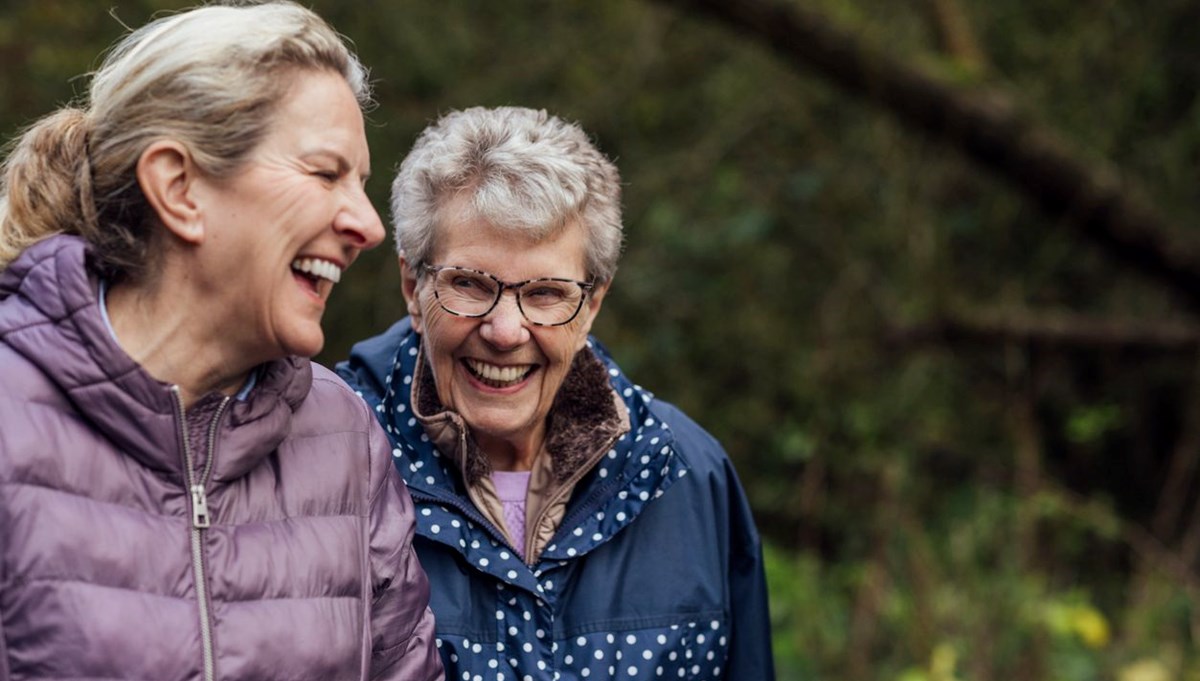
[(562, 347), (442, 333), (577, 336), (439, 350)]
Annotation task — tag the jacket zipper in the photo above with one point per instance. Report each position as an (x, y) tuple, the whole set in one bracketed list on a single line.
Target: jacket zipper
[(559, 493), (472, 513), (467, 509), (200, 522)]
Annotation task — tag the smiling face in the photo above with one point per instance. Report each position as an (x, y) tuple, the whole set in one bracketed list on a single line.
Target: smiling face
[(500, 372), (279, 233)]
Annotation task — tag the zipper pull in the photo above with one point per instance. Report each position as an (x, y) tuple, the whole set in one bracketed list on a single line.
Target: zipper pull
[(199, 507)]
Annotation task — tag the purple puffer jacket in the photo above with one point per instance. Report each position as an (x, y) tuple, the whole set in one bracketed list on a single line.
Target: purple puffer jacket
[(290, 557)]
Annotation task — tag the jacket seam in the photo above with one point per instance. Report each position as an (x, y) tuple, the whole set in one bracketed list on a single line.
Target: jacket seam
[(5, 672), (250, 523), (59, 490), (155, 594), (642, 622)]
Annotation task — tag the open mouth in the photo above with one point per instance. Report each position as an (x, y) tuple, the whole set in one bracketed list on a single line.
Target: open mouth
[(314, 270), (498, 376)]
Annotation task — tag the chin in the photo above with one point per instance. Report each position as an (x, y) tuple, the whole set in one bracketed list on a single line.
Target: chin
[(500, 426), (304, 345)]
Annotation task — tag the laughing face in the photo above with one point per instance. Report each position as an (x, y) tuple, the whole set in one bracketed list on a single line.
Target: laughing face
[(500, 372), (279, 233)]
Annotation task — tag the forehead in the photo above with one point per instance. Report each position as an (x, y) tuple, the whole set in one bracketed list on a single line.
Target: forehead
[(510, 253), (320, 114)]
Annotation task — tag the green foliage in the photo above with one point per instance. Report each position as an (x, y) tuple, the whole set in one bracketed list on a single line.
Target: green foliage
[(951, 601), (934, 511)]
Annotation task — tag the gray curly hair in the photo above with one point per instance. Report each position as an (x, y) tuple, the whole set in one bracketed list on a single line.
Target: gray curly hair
[(519, 169)]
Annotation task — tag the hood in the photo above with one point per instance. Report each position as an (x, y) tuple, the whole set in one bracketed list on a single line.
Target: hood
[(50, 315)]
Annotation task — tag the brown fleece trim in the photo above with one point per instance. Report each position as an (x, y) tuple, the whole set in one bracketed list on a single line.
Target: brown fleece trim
[(583, 413), (474, 464)]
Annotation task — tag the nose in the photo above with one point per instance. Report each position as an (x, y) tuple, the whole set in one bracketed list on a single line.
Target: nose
[(504, 327), (358, 222)]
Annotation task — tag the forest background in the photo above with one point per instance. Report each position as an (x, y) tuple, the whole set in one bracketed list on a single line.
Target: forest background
[(927, 268)]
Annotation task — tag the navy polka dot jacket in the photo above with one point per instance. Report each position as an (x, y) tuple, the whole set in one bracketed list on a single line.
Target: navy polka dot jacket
[(654, 573)]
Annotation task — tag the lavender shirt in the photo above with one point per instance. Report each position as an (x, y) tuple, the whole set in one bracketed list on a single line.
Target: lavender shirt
[(511, 487)]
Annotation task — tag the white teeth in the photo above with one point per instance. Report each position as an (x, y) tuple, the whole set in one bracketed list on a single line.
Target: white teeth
[(492, 372), (318, 268)]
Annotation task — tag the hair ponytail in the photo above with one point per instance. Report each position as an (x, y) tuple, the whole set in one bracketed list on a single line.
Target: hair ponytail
[(46, 183), (209, 77)]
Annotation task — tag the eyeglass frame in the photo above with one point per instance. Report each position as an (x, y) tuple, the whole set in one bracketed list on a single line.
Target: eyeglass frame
[(515, 287)]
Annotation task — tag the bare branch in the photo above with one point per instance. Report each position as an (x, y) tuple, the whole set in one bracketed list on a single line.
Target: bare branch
[(1085, 194), (1061, 330)]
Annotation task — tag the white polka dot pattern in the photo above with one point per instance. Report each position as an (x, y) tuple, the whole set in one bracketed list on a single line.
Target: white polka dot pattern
[(691, 650), (527, 636)]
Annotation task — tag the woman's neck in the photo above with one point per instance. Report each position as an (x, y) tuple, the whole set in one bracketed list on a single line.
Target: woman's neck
[(512, 453), (162, 333)]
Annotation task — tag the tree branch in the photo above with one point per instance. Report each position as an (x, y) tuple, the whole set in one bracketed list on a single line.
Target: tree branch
[(1060, 330), (986, 126)]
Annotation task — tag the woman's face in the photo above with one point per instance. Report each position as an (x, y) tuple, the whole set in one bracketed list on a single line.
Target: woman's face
[(469, 355), (279, 233)]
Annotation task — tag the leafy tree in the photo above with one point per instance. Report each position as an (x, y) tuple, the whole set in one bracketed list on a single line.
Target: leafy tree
[(962, 391)]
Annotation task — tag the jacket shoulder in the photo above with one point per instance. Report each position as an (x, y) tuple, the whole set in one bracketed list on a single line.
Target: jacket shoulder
[(333, 402), (701, 451), (371, 359), (25, 382)]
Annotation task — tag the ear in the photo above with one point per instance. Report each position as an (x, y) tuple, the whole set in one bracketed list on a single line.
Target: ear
[(166, 175), (408, 284), (591, 308)]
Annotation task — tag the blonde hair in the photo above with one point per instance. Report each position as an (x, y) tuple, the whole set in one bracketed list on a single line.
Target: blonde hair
[(519, 169), (209, 77)]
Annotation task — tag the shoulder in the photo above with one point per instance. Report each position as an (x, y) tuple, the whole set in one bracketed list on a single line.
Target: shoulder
[(24, 382), (696, 446), (699, 449), (371, 359), (333, 408), (36, 417), (332, 405)]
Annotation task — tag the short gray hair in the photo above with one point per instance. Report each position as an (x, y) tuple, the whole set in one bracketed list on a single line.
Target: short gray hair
[(209, 77), (518, 169)]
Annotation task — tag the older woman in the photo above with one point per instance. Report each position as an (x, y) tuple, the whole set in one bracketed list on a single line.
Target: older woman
[(182, 495), (573, 527)]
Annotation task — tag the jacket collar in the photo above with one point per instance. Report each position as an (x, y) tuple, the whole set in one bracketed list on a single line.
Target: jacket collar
[(585, 416), (49, 313), (640, 466)]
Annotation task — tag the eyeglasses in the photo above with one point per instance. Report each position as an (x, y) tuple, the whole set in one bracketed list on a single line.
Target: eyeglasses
[(549, 301)]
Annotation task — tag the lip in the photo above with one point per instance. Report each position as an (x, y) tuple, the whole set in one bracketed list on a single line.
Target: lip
[(321, 268), (480, 384), (340, 263)]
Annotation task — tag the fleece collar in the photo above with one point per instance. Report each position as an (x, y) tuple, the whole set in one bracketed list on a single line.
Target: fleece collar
[(641, 465), (585, 416)]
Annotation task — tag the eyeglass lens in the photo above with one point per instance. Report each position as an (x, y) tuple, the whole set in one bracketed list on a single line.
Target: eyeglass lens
[(473, 294)]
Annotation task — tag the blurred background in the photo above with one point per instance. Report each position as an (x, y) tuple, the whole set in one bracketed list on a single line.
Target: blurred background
[(927, 268)]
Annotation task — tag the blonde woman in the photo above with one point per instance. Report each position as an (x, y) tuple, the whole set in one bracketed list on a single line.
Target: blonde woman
[(183, 495)]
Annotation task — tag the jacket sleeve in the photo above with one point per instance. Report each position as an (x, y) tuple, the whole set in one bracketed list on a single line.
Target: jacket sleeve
[(401, 623), (750, 650), (4, 672)]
